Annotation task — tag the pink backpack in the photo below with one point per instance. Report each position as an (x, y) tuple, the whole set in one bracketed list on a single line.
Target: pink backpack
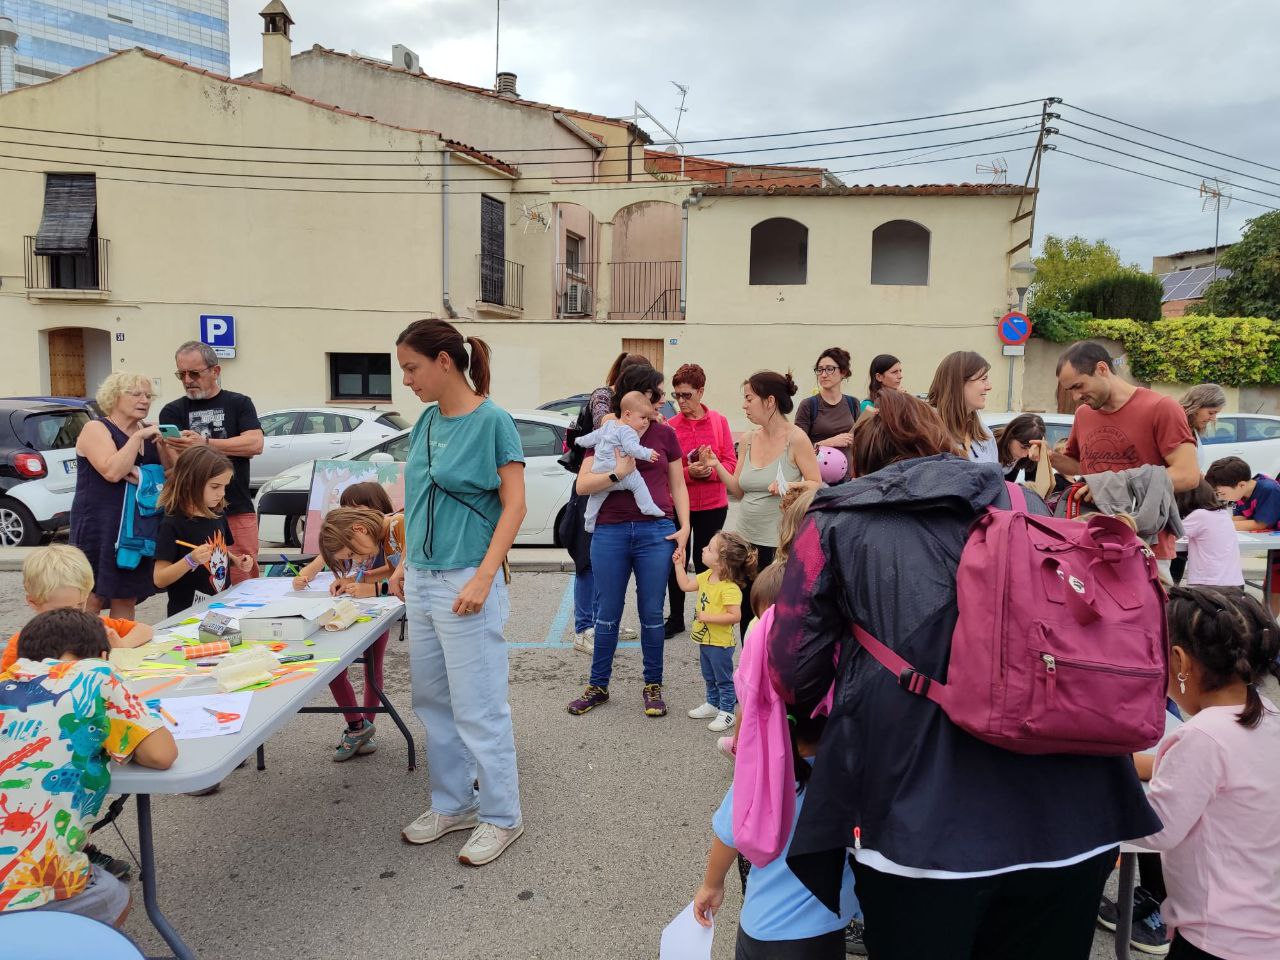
[(1061, 642)]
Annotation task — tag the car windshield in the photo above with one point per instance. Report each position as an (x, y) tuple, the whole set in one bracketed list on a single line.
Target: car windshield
[(56, 430), (396, 448), (394, 421)]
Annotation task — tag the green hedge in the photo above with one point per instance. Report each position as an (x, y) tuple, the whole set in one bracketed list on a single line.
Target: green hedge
[(1128, 294), (1233, 351)]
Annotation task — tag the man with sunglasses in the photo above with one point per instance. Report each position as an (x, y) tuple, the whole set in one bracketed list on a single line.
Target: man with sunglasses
[(225, 421)]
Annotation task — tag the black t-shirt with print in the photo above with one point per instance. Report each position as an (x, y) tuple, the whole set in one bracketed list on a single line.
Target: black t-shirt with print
[(226, 415), (197, 530)]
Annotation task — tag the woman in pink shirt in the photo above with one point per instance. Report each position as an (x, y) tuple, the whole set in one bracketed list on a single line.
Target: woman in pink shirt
[(699, 430), (1217, 779)]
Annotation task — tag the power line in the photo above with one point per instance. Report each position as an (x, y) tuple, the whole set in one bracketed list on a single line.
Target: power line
[(1165, 136), (491, 150), (1150, 176), (353, 179), (1134, 156), (413, 165), (692, 186)]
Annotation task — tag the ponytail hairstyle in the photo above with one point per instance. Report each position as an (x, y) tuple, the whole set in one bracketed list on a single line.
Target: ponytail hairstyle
[(1231, 636), (946, 393), (880, 365), (780, 386), (739, 558), (620, 363), (338, 532), (434, 337), (795, 505), (639, 377)]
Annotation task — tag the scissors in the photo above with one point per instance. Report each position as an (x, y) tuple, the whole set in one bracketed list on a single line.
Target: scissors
[(222, 717)]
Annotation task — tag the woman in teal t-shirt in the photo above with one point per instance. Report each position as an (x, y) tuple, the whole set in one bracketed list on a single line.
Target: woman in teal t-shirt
[(464, 501)]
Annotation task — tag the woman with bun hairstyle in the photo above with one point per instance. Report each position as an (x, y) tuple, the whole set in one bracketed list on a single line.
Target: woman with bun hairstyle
[(828, 416), (776, 456)]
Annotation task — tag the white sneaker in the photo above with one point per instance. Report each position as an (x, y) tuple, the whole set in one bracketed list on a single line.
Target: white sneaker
[(722, 722), (431, 826), (585, 642), (627, 634), (704, 712), (486, 843)]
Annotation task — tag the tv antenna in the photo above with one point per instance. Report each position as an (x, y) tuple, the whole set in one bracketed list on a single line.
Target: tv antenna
[(682, 109), (997, 169), (1216, 196), (533, 216)]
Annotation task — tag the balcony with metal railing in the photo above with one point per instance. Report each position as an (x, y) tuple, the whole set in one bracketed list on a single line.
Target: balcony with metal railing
[(67, 276), (501, 286), (645, 290)]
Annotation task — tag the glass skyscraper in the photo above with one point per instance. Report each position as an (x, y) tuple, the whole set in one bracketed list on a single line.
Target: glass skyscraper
[(55, 36)]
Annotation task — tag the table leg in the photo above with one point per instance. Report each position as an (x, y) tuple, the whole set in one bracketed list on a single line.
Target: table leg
[(262, 756), (395, 718), (1124, 904), (146, 850)]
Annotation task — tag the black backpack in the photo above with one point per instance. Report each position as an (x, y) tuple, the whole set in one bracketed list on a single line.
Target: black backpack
[(573, 454), (851, 402)]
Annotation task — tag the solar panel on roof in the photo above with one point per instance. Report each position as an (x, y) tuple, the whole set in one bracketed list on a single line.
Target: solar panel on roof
[(1189, 284)]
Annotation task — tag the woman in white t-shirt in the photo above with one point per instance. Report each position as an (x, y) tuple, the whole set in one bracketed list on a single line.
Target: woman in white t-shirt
[(1213, 553)]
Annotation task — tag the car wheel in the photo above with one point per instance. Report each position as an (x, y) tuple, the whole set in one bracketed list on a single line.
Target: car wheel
[(293, 530), (555, 528), (18, 528)]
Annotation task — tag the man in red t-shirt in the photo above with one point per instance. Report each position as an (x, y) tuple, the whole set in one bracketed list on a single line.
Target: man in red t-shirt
[(1120, 426)]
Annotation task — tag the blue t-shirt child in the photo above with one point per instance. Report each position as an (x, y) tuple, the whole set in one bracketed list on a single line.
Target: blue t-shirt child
[(451, 485), (1263, 505), (777, 906)]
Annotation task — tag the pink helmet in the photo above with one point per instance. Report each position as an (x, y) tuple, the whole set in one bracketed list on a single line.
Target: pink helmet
[(833, 465)]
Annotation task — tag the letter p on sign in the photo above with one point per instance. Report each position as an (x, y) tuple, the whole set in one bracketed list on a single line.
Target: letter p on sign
[(218, 331)]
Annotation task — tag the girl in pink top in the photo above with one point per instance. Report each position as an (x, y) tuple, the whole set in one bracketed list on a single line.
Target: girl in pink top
[(1213, 553), (1217, 778)]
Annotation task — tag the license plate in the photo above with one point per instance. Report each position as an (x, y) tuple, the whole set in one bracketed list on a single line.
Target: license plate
[(69, 466)]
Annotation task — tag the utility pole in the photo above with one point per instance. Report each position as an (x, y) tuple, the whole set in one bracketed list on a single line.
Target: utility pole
[(497, 37)]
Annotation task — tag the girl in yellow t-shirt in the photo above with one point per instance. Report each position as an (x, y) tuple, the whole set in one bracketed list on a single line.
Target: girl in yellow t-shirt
[(731, 564)]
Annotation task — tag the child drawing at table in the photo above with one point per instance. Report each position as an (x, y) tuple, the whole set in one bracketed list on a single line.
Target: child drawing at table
[(362, 545), (194, 540), (69, 715), (1216, 777)]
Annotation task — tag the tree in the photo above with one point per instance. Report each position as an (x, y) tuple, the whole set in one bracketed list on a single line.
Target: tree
[(1128, 294), (1253, 289), (1066, 265)]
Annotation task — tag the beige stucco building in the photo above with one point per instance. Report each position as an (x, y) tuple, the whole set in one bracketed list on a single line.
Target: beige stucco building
[(323, 231)]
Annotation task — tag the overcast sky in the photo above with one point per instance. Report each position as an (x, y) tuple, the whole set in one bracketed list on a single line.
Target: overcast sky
[(1204, 73)]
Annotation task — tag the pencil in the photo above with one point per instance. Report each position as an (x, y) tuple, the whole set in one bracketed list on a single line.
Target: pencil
[(167, 715), (183, 543)]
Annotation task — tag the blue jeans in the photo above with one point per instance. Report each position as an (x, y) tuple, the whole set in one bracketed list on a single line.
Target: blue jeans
[(617, 549), (584, 601), (459, 670), (717, 671)]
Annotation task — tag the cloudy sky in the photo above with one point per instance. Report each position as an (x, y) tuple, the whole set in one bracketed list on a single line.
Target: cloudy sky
[(1195, 71)]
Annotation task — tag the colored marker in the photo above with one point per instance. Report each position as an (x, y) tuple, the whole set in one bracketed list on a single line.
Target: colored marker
[(289, 567), (298, 658)]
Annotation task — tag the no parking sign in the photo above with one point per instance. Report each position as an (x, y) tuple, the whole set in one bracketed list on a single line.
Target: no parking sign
[(1014, 329)]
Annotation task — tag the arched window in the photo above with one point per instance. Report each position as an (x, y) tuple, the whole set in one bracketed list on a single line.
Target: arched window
[(900, 254), (779, 251)]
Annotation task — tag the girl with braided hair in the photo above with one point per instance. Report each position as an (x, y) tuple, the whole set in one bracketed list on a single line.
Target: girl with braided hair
[(1216, 779)]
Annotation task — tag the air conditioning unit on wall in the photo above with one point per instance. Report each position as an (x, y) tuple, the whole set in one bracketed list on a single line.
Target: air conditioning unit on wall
[(577, 298), (402, 56)]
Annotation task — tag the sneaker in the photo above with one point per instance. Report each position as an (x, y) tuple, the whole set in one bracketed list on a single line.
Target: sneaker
[(673, 629), (628, 634), (704, 712), (723, 721), (486, 844), (104, 861), (585, 641), (855, 939), (726, 747), (654, 705), (353, 741), (431, 826), (1149, 934), (591, 698)]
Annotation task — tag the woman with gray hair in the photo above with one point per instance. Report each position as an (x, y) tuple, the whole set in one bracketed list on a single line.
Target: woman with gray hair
[(1202, 405), (108, 454)]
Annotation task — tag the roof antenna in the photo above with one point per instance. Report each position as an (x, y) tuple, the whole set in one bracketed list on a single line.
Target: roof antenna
[(682, 109), (1217, 196), (997, 170)]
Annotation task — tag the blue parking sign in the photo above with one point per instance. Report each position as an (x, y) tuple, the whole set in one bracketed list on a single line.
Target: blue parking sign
[(217, 330)]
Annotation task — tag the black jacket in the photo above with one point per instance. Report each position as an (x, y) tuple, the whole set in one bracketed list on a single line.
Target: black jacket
[(884, 550)]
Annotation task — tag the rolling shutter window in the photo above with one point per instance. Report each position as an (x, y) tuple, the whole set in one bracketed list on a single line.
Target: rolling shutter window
[(70, 205)]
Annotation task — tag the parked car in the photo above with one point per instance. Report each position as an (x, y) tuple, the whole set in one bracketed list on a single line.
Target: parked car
[(1253, 437), (303, 434), (282, 501), (37, 468), (571, 407)]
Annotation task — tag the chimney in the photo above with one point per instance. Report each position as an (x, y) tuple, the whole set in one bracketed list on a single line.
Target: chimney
[(505, 84), (275, 44), (8, 44)]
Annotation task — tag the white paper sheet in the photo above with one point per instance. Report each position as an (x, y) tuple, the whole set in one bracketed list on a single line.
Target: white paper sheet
[(194, 720), (686, 939)]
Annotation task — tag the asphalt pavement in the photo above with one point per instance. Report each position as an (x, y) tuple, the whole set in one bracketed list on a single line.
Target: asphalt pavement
[(304, 860)]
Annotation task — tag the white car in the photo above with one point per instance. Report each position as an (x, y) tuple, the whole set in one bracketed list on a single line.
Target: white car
[(37, 466), (282, 501), (1253, 437), (303, 434)]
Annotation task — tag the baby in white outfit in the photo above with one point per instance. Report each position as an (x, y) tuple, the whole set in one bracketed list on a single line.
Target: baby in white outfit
[(622, 435)]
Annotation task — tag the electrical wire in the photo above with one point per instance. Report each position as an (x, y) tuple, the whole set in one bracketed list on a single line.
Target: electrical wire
[(1152, 176), (1165, 136)]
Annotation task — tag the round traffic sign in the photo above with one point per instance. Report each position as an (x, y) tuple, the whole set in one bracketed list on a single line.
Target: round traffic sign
[(1014, 328)]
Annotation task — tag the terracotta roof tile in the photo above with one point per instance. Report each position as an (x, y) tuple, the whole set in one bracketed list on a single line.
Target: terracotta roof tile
[(453, 145), (881, 190)]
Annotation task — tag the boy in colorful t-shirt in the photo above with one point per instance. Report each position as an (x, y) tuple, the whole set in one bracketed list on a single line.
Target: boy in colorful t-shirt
[(1257, 500), (63, 715)]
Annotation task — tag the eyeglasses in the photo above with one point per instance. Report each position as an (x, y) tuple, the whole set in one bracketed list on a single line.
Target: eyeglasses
[(190, 374), (682, 395), (823, 370)]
